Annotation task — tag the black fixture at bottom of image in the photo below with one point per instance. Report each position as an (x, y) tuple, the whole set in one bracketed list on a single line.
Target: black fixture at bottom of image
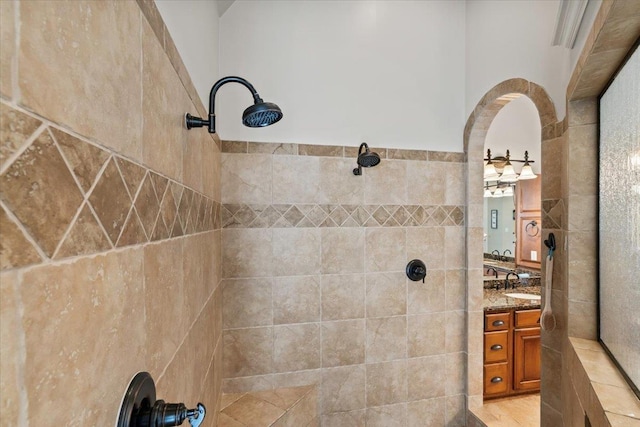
[(140, 408)]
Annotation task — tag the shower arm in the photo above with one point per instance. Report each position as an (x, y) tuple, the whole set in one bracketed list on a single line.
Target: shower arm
[(211, 123)]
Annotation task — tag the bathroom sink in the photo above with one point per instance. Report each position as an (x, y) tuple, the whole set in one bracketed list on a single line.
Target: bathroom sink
[(523, 296)]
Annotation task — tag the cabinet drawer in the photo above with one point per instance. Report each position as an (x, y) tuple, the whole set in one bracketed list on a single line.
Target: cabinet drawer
[(496, 321), (496, 379), (527, 318), (495, 346)]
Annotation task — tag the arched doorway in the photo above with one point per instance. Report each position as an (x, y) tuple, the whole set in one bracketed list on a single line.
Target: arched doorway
[(474, 138)]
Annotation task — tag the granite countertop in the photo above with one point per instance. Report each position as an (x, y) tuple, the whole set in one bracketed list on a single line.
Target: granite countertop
[(497, 300)]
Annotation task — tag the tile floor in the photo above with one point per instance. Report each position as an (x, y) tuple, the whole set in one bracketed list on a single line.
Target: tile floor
[(511, 412), (285, 407)]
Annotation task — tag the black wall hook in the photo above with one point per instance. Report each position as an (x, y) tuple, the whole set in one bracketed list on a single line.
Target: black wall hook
[(551, 242)]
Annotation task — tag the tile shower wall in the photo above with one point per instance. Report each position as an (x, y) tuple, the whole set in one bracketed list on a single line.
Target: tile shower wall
[(314, 289), (109, 214)]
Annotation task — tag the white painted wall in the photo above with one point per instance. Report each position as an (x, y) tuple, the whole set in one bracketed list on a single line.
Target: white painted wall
[(516, 128), (193, 25), (507, 39), (400, 74), (390, 73)]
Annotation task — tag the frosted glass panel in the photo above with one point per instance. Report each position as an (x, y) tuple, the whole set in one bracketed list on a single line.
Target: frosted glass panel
[(620, 218)]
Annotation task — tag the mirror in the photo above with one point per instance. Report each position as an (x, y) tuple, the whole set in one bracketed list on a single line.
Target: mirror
[(499, 226), (513, 138)]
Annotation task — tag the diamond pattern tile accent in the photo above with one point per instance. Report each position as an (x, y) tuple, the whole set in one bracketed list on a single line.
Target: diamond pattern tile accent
[(133, 232), (147, 205), (15, 249), (85, 237), (85, 159), (111, 201), (132, 174), (311, 216), (15, 129), (183, 209), (43, 189), (40, 190)]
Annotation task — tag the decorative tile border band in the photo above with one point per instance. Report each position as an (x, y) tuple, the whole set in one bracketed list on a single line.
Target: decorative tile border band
[(248, 147), (311, 215), (62, 197)]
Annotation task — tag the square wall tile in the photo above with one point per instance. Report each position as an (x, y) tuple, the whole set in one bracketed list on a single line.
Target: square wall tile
[(296, 251), (296, 299), (427, 297), (426, 335), (343, 296), (247, 302), (246, 178), (113, 29), (296, 179), (296, 347), (247, 253), (385, 249), (386, 383), (338, 184), (101, 294), (342, 250), (386, 339), (387, 416), (386, 183), (426, 377), (343, 343), (386, 294), (247, 352), (343, 389)]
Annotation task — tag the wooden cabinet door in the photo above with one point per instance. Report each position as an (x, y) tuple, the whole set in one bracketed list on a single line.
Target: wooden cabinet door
[(526, 359), (528, 223)]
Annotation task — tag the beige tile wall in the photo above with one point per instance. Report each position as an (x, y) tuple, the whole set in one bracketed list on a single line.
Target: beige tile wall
[(314, 288), (110, 256)]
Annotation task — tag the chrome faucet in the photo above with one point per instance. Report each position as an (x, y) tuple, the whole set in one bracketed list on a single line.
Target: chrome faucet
[(505, 252), (506, 280), (496, 253), (495, 272)]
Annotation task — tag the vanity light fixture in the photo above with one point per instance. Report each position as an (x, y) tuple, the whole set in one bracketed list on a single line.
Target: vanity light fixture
[(487, 192), (508, 191), (490, 172), (497, 193), (527, 171), (500, 168)]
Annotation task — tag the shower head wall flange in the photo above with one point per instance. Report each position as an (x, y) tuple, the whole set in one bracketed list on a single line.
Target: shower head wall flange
[(367, 159), (259, 114)]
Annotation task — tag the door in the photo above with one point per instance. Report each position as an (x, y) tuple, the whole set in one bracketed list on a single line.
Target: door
[(526, 359)]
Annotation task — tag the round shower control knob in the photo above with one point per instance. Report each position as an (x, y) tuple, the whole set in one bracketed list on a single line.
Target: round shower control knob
[(416, 270)]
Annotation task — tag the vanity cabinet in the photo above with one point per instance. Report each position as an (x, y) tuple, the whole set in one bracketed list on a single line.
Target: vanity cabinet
[(511, 352)]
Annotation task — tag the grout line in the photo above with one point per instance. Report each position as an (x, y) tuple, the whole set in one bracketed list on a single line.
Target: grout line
[(22, 351), (15, 62), (25, 145), (27, 235)]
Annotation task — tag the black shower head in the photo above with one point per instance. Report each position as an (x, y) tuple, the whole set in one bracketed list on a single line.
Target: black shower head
[(367, 159), (259, 114)]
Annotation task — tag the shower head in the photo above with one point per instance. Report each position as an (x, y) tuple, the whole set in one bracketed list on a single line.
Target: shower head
[(259, 114), (367, 159)]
